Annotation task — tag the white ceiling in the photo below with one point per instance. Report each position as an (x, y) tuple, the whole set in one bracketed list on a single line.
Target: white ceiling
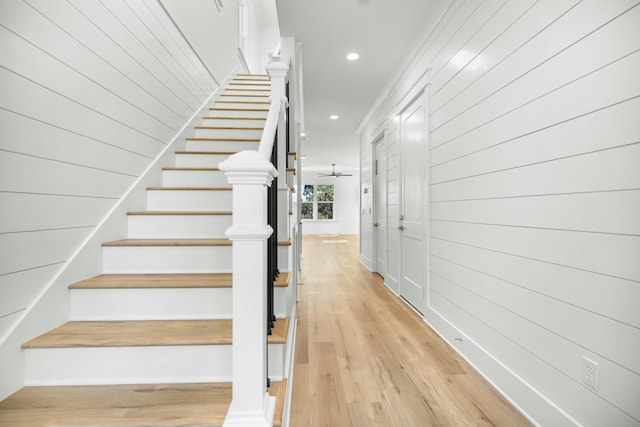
[(381, 31)]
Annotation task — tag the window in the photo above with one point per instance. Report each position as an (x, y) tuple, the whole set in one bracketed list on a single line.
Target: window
[(317, 201)]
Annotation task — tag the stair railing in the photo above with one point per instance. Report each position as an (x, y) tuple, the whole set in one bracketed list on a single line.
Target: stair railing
[(272, 242), (251, 173)]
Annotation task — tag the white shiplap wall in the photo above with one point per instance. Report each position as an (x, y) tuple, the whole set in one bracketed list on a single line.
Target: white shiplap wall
[(535, 197), (92, 92), (392, 275)]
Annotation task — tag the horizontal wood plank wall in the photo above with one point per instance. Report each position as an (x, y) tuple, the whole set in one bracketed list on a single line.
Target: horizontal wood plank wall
[(92, 92), (392, 276), (535, 196)]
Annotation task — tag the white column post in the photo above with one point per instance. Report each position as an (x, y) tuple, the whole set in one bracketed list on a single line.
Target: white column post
[(250, 174), (279, 72)]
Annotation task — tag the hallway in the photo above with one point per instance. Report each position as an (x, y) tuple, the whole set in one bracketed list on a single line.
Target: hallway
[(364, 358)]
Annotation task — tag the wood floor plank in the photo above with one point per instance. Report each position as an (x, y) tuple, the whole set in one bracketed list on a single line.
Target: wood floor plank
[(364, 358)]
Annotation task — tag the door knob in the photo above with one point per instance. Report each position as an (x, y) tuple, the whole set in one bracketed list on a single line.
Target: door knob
[(375, 225), (401, 228)]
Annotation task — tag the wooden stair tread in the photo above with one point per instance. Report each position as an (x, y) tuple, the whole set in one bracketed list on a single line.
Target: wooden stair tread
[(166, 281), (162, 405), (278, 390), (283, 279), (189, 188), (286, 242), (145, 333), (155, 281), (202, 405), (135, 333), (194, 213), (279, 331), (168, 242), (249, 88)]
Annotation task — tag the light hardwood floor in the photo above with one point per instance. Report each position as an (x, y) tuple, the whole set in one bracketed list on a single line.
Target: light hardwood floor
[(363, 358)]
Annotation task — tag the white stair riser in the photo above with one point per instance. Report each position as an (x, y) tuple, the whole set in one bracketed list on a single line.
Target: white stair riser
[(188, 200), (222, 120), (259, 112), (181, 178), (229, 133), (234, 95), (248, 105), (249, 83), (284, 258), (151, 304), (233, 146), (138, 365), (200, 160), (177, 226), (276, 361), (250, 79), (166, 259), (236, 90), (160, 304), (128, 365)]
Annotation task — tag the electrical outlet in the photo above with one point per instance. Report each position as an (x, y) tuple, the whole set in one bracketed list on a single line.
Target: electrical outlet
[(590, 373)]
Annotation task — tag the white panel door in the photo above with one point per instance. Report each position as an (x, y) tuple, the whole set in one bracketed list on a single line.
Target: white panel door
[(380, 207), (413, 145)]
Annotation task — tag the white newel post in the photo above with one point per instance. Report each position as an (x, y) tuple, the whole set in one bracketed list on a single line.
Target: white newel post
[(279, 74), (250, 174)]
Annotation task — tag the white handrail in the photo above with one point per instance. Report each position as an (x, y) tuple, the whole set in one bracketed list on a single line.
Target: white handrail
[(270, 127)]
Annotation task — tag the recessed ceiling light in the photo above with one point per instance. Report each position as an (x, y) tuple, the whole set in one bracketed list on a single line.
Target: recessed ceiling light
[(334, 117), (353, 56), (302, 134)]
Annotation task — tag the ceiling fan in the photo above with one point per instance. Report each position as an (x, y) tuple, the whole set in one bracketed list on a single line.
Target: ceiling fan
[(334, 173)]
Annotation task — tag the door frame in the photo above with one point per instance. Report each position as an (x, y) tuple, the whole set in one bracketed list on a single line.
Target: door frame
[(377, 165), (421, 95)]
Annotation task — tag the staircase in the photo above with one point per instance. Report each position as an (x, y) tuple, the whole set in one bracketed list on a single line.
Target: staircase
[(149, 340)]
